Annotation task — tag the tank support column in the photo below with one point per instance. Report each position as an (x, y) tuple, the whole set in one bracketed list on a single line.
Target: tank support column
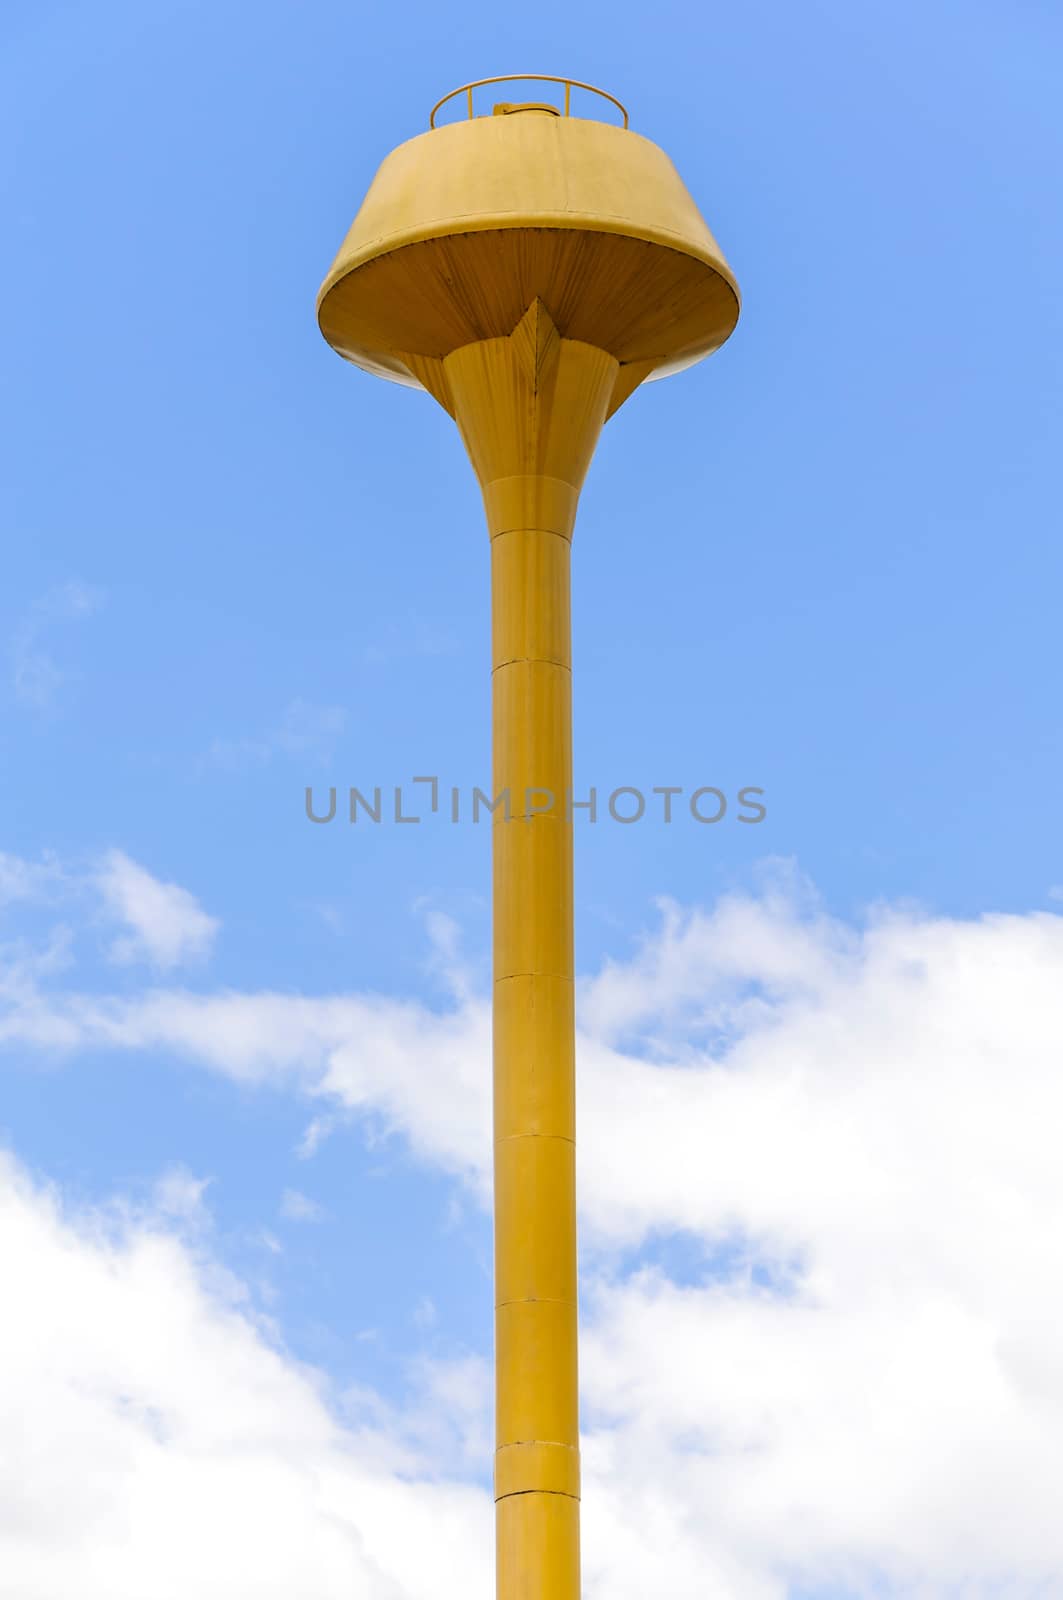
[(530, 408)]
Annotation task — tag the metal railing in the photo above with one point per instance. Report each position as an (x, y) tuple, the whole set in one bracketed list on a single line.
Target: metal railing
[(527, 77)]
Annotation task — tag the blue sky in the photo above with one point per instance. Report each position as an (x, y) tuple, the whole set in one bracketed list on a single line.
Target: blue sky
[(825, 563)]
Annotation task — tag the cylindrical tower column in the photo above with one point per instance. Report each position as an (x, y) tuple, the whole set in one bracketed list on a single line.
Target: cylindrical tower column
[(537, 1417), (530, 408)]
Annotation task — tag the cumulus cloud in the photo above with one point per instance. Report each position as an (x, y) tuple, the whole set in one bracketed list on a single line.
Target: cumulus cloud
[(368, 1054), (165, 924), (159, 1443), (856, 1382)]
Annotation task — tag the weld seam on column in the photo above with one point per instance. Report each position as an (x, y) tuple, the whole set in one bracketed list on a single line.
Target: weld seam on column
[(524, 528), (517, 502), (505, 1138), (533, 816), (565, 1494), (538, 1300), (523, 1444), (546, 661), (503, 977), (530, 816)]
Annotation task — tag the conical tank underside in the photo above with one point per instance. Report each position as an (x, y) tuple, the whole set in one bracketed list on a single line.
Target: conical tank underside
[(468, 225)]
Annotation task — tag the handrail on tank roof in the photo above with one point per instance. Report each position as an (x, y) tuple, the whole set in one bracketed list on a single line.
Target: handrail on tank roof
[(528, 77)]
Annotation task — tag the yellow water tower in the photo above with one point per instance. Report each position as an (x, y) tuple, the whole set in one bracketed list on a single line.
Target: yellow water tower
[(530, 267)]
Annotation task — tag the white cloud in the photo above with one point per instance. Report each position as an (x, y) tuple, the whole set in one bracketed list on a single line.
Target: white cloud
[(22, 880), (367, 1054), (298, 1207), (314, 1135), (167, 926), (36, 677), (425, 1314), (157, 1444), (179, 1194), (305, 731), (858, 1128), (446, 960)]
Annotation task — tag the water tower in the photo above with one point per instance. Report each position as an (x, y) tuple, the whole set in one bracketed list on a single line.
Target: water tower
[(530, 267)]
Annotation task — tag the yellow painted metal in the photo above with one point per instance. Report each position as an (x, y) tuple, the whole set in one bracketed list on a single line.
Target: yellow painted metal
[(465, 227), (527, 77), (530, 271)]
